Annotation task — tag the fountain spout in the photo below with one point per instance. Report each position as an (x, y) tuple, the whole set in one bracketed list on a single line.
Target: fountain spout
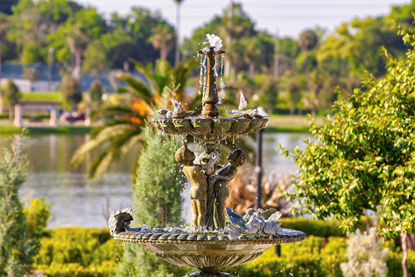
[(210, 96)]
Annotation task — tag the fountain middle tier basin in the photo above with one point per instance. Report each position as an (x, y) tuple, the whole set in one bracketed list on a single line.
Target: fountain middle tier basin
[(210, 129), (208, 252)]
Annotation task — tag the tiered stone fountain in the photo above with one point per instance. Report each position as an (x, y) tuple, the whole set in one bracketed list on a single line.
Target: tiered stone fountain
[(211, 243)]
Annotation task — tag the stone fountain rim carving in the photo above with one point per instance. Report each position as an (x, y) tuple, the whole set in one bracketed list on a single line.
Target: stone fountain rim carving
[(291, 236)]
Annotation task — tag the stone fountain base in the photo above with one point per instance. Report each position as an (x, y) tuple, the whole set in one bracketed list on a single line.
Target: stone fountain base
[(207, 252)]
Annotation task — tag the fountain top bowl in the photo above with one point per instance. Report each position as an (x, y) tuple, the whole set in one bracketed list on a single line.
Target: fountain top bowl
[(208, 129)]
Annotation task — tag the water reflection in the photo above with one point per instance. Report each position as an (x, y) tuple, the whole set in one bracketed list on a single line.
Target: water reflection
[(78, 201)]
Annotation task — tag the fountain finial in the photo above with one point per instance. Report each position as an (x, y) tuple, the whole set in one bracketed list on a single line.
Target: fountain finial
[(210, 96)]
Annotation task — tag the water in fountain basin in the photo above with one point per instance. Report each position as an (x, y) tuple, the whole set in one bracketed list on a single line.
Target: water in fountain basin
[(201, 74), (204, 78), (222, 86)]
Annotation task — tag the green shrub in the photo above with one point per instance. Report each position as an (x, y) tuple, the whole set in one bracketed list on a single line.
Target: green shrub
[(321, 228), (309, 259), (37, 216), (78, 251)]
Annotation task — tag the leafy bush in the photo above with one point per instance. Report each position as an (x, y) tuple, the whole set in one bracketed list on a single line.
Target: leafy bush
[(15, 244), (365, 255), (37, 215), (78, 251), (315, 257)]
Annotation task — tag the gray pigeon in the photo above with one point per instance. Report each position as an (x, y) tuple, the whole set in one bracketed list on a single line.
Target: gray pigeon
[(179, 111), (248, 214)]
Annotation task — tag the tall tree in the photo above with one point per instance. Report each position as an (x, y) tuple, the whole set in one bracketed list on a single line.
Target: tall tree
[(307, 41), (4, 28), (294, 90), (74, 36), (71, 90), (157, 202), (252, 52), (354, 46), (268, 94), (106, 52), (162, 38), (32, 23), (10, 95), (177, 54), (123, 128), (15, 245), (363, 158)]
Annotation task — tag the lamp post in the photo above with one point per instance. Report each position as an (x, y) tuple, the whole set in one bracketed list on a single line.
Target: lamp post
[(258, 160), (50, 60)]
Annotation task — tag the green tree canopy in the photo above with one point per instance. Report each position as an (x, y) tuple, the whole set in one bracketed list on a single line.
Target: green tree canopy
[(33, 21), (364, 156), (357, 43), (71, 90), (16, 248), (11, 93)]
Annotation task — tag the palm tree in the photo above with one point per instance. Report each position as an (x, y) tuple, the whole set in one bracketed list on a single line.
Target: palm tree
[(308, 40), (4, 27), (78, 42), (178, 2), (162, 38), (123, 131), (251, 53)]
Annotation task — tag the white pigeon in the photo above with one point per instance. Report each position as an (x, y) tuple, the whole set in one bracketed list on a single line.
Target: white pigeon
[(272, 226), (242, 112)]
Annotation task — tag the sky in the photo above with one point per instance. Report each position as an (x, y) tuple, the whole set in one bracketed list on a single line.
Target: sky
[(287, 17)]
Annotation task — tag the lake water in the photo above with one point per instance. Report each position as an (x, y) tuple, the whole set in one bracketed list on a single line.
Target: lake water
[(78, 201)]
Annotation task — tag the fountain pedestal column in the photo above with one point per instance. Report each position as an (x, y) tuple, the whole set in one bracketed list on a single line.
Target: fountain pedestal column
[(210, 96)]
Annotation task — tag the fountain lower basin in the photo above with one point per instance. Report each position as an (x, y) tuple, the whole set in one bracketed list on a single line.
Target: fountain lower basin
[(207, 252), (210, 129)]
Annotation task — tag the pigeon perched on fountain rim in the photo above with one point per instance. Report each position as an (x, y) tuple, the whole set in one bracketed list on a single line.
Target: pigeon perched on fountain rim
[(243, 112), (254, 223), (179, 111)]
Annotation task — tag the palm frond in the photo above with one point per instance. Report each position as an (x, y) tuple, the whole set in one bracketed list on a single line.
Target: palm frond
[(104, 135), (100, 164), (123, 90), (141, 69), (138, 87), (111, 110)]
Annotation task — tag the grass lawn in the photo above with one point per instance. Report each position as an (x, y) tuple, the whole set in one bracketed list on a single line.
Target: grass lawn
[(290, 124), (42, 96), (10, 129)]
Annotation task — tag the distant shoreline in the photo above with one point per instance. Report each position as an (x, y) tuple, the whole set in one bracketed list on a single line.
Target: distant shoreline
[(10, 129)]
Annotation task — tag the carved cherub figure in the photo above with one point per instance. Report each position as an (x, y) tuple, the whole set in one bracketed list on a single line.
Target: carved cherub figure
[(235, 159), (195, 173), (204, 158)]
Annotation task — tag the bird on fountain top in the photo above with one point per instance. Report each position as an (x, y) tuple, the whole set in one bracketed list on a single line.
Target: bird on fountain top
[(179, 111), (243, 112)]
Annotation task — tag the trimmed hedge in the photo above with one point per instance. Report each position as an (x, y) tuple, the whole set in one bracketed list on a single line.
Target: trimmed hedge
[(315, 257), (78, 252), (321, 228), (93, 253)]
